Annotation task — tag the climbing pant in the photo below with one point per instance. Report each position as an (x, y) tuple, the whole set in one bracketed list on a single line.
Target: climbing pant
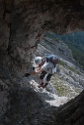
[(43, 75)]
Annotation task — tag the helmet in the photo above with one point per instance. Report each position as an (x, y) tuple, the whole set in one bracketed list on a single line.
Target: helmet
[(38, 60)]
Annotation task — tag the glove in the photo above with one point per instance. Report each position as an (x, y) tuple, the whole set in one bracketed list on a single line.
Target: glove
[(27, 74)]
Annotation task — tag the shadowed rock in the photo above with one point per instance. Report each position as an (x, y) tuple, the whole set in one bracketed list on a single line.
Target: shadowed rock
[(21, 25)]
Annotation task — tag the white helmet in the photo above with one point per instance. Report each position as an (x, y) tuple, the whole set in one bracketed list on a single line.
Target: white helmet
[(38, 60)]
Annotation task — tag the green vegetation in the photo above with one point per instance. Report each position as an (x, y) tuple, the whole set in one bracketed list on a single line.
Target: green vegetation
[(63, 88), (61, 62), (59, 86), (72, 68)]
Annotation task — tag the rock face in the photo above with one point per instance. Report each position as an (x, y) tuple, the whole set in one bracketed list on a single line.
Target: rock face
[(21, 26)]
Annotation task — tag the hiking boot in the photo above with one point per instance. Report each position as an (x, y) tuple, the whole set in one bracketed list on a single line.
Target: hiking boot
[(44, 86), (41, 85)]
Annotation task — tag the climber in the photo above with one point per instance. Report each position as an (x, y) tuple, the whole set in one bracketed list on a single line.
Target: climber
[(46, 66)]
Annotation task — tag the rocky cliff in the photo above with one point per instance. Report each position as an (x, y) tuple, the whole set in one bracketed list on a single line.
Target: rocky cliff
[(22, 24)]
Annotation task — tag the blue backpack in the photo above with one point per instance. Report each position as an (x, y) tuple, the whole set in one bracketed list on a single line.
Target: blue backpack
[(51, 58)]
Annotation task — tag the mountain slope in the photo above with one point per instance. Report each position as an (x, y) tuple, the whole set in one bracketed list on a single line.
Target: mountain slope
[(75, 42)]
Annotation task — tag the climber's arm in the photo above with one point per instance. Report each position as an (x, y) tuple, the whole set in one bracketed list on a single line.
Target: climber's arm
[(38, 71)]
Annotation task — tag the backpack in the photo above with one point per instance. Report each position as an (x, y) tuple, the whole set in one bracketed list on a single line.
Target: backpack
[(51, 58)]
